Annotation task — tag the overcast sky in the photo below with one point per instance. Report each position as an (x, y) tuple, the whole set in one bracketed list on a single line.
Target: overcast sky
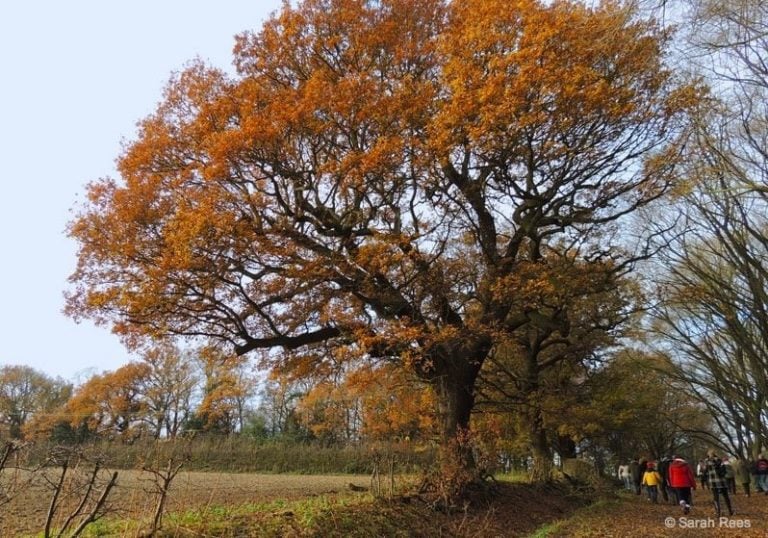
[(75, 77)]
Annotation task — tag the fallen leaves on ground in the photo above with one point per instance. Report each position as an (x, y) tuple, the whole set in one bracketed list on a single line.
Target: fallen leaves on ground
[(634, 516)]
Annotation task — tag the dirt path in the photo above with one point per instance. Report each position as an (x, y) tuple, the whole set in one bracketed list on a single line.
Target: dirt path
[(633, 516)]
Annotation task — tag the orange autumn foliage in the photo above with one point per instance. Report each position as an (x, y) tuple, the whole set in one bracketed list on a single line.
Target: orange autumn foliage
[(108, 403), (225, 390), (384, 178), (371, 403)]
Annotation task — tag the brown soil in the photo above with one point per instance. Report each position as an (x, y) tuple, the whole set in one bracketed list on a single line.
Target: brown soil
[(132, 497)]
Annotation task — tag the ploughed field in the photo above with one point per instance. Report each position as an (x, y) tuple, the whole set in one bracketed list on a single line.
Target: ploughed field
[(24, 503)]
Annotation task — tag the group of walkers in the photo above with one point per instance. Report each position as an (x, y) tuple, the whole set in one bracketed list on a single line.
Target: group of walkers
[(674, 478)]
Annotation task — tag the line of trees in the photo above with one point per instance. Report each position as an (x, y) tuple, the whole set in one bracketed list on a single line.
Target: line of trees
[(607, 410), (170, 392)]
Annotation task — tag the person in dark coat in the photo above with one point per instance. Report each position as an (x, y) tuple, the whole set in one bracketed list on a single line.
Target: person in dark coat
[(637, 474), (642, 466), (665, 490)]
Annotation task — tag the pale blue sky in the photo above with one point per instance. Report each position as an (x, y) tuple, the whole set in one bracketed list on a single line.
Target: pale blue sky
[(75, 77)]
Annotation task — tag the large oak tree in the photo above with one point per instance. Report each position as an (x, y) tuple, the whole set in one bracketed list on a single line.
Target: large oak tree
[(385, 179)]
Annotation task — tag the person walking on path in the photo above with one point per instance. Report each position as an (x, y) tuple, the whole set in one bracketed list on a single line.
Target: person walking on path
[(667, 493), (681, 478), (761, 474), (730, 475), (741, 474), (642, 465), (717, 483), (637, 475), (701, 472), (652, 481), (626, 476)]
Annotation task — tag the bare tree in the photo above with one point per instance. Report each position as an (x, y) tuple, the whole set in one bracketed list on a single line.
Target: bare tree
[(714, 315), (162, 469), (162, 482), (86, 490), (714, 318), (12, 478)]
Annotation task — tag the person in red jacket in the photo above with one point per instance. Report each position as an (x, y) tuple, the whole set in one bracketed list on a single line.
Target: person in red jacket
[(681, 479)]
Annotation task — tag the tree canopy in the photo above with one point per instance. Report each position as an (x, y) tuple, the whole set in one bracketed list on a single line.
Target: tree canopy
[(389, 180)]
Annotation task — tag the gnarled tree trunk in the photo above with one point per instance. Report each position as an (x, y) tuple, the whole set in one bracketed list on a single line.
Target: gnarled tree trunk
[(540, 450), (455, 392)]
